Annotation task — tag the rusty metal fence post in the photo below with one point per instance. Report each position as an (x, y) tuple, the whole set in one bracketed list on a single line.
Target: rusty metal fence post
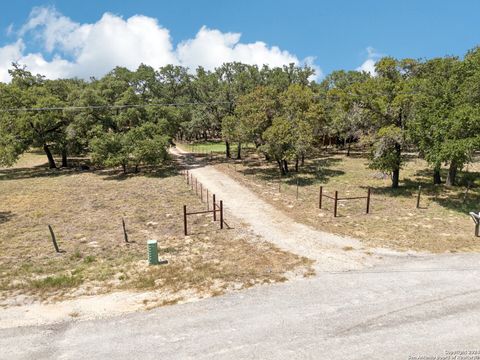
[(320, 197), (297, 188), (368, 200), (214, 209), (185, 219), (335, 205), (418, 196), (54, 239), (221, 214)]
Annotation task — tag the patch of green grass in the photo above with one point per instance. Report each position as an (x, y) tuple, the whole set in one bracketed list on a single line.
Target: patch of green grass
[(56, 282), (89, 259), (145, 282), (211, 146), (77, 255)]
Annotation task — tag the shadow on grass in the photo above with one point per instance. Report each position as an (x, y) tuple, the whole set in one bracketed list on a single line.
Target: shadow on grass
[(37, 171), (160, 172), (315, 171), (471, 203), (85, 166), (464, 178), (5, 216)]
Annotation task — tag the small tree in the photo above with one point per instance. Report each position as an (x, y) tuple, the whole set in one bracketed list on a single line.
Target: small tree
[(143, 145), (280, 142), (386, 103)]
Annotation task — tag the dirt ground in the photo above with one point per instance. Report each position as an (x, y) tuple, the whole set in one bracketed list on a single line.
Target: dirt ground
[(441, 224), (85, 210)]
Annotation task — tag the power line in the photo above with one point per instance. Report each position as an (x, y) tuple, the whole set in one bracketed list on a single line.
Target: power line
[(114, 107)]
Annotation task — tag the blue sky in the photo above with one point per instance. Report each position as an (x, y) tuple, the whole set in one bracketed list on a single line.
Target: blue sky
[(338, 34)]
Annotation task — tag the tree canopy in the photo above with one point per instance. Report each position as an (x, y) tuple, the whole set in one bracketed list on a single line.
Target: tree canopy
[(129, 118)]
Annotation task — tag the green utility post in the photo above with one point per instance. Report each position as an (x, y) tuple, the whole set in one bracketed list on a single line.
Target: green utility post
[(152, 252)]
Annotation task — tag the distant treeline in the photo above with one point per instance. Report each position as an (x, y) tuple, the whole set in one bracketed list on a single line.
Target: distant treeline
[(130, 118)]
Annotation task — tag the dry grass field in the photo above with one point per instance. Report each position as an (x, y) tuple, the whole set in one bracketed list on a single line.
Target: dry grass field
[(85, 209), (440, 224)]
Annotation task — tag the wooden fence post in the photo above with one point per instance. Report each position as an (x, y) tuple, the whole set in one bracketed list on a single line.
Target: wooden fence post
[(368, 200), (221, 214), (188, 182), (208, 201), (214, 209), (418, 196), (196, 187), (201, 192), (335, 205), (185, 219), (54, 240), (320, 197)]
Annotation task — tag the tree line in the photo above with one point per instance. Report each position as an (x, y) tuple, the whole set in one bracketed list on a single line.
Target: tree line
[(129, 118)]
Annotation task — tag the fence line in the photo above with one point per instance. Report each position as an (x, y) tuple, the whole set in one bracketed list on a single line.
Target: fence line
[(216, 206), (336, 199)]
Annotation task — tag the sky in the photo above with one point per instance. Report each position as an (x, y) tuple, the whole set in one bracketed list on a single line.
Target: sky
[(89, 38)]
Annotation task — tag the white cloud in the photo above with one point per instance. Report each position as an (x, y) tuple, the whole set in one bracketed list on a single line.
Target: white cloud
[(369, 64), (86, 50), (9, 30), (8, 54), (211, 48)]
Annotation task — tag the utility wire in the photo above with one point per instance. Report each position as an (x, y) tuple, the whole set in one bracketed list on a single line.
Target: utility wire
[(115, 107)]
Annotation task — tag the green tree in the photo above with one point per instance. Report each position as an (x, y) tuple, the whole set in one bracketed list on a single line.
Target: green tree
[(142, 145), (255, 111), (386, 102), (446, 124), (279, 142), (306, 115), (343, 121)]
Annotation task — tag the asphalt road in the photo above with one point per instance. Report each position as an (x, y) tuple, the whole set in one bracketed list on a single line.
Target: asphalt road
[(420, 306)]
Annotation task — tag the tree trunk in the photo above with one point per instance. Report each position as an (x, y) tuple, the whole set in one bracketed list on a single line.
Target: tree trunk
[(296, 164), (452, 174), (348, 148), (227, 149), (395, 178), (285, 166), (302, 160), (239, 151), (437, 179), (64, 158), (51, 160), (280, 167), (396, 170), (124, 167)]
